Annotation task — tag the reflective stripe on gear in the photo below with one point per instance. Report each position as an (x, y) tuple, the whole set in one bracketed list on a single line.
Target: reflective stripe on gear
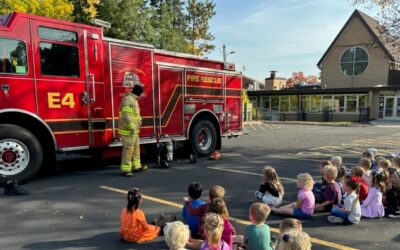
[(126, 168), (136, 164), (126, 132), (128, 110)]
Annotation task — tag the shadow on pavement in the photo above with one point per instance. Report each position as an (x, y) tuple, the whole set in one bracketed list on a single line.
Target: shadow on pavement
[(109, 240)]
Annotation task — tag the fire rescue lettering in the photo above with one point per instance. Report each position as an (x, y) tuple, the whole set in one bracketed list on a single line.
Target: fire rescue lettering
[(204, 79), (55, 102)]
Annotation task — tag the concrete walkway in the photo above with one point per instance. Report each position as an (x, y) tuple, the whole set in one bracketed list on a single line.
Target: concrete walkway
[(386, 123)]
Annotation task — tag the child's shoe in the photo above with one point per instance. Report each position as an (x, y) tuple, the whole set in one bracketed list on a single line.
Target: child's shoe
[(334, 219)]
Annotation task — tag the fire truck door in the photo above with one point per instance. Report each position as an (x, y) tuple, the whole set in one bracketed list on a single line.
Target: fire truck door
[(61, 81), (94, 86)]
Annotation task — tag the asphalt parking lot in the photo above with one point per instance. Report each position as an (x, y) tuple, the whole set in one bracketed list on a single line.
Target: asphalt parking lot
[(79, 207)]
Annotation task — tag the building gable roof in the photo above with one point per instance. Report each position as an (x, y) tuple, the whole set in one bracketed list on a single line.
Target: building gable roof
[(376, 31)]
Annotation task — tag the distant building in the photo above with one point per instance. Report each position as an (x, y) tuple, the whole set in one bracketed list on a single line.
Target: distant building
[(252, 84), (360, 79), (274, 82)]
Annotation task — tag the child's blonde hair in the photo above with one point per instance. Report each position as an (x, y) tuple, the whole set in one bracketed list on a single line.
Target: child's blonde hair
[(176, 235), (295, 240), (213, 227), (290, 224), (384, 164), (331, 171), (336, 161), (218, 206), (216, 192), (305, 180), (269, 174), (259, 212)]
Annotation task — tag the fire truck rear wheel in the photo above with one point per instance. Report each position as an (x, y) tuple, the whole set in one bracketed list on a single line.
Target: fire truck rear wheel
[(203, 137), (21, 154)]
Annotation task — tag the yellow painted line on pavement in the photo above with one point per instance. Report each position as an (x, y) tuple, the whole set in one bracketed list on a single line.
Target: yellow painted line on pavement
[(239, 221), (244, 172)]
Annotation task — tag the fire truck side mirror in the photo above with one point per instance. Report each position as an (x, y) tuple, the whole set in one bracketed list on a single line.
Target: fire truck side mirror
[(84, 98)]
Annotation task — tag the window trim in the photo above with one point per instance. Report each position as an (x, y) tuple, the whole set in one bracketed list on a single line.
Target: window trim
[(353, 62), (61, 43), (27, 57)]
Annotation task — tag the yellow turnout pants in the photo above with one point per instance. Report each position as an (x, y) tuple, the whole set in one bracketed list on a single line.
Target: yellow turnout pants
[(130, 153)]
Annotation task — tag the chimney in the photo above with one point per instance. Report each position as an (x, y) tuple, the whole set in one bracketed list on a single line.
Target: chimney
[(273, 73)]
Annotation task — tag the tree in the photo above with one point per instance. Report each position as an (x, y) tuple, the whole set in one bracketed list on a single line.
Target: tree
[(84, 10), (168, 25), (60, 9), (130, 19), (197, 32), (300, 78), (389, 18)]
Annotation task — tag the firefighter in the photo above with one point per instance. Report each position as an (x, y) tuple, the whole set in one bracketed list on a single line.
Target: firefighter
[(128, 127)]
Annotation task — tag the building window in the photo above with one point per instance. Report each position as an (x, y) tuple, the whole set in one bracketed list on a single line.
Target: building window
[(293, 103), (266, 102), (13, 58), (275, 103), (305, 103), (316, 103), (338, 102), (351, 103), (354, 61)]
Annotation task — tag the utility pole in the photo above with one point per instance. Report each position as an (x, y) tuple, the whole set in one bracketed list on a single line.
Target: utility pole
[(224, 52)]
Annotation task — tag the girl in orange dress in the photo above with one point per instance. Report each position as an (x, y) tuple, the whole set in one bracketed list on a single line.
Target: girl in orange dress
[(134, 227)]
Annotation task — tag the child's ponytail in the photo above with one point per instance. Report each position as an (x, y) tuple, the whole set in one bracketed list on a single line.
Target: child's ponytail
[(134, 197)]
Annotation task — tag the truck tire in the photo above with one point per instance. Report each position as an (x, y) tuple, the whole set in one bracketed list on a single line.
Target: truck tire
[(203, 137), (21, 154)]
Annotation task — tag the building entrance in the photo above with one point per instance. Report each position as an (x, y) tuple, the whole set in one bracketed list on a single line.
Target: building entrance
[(391, 108)]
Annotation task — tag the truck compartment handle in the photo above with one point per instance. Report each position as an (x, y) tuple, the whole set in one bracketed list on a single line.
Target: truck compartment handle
[(93, 99)]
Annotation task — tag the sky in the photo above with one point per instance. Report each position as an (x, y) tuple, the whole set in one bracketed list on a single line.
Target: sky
[(283, 35)]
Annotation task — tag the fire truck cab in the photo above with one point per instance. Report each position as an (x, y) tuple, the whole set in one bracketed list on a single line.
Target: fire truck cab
[(61, 84)]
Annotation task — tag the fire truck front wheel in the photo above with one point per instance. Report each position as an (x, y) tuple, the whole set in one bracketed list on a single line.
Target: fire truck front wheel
[(21, 154), (203, 138)]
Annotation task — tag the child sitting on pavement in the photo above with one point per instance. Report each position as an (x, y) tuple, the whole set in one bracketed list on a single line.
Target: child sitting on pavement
[(134, 227), (365, 163), (213, 228), (303, 208), (194, 190), (332, 192), (176, 235), (393, 192), (319, 187), (218, 206), (358, 172), (350, 212), (258, 235), (295, 240), (271, 190), (214, 192), (372, 206)]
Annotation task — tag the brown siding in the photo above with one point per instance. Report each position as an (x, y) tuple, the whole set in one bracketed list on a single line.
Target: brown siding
[(356, 34)]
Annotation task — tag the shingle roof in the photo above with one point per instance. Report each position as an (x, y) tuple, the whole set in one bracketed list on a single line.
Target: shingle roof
[(392, 49)]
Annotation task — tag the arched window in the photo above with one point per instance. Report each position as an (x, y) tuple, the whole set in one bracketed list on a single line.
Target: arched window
[(354, 61)]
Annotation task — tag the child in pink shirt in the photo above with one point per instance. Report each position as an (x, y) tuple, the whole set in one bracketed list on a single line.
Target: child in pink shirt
[(304, 207), (372, 207)]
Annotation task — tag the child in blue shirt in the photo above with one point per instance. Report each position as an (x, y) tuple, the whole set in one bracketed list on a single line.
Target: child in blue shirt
[(194, 190)]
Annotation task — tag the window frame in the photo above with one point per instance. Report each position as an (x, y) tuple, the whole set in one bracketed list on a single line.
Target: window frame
[(353, 62), (57, 42), (27, 58)]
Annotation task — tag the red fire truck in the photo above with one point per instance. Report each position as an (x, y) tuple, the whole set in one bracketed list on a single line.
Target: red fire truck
[(61, 84)]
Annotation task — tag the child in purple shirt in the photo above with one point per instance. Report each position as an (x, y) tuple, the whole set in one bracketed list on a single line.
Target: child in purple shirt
[(304, 207), (332, 192)]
